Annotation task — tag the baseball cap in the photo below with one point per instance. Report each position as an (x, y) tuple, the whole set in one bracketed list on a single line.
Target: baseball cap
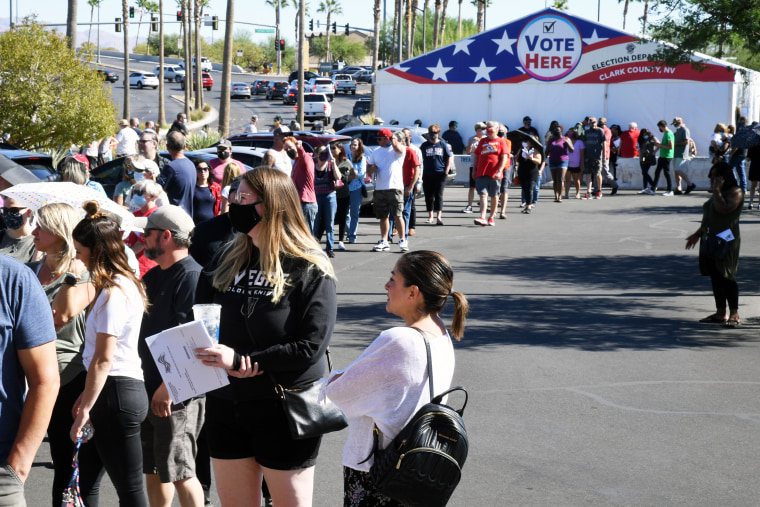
[(81, 158), (169, 217), (14, 173), (677, 120), (123, 123), (225, 143), (480, 125), (281, 131), (527, 118), (278, 118), (384, 133), (146, 165), (453, 123)]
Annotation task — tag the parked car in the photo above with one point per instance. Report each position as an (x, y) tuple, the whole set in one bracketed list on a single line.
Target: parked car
[(290, 96), (240, 89), (208, 81), (205, 64), (277, 89), (344, 83), (38, 164), (259, 86), (316, 106), (363, 76), (306, 76), (143, 80), (348, 69), (310, 139), (108, 75), (171, 72), (362, 106), (368, 135), (322, 85)]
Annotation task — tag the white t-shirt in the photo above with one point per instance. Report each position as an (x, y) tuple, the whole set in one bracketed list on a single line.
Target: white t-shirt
[(386, 386), (390, 168), (121, 317), (126, 141), (251, 129)]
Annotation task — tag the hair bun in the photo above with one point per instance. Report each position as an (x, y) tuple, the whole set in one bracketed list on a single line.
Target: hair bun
[(91, 208)]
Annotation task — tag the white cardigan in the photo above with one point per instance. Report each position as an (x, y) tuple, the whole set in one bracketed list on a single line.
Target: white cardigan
[(386, 385)]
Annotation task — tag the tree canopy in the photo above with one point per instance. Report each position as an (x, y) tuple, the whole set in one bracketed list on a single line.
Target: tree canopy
[(48, 97)]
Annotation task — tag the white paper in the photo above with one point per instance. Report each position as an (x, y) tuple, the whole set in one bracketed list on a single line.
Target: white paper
[(185, 376), (726, 235)]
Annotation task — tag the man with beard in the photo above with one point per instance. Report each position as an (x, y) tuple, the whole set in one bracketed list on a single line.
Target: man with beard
[(303, 178), (170, 432), (147, 145), (224, 157)]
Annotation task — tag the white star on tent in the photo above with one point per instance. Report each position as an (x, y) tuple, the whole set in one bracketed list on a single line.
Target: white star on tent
[(593, 39), (505, 43), (439, 71), (522, 71), (402, 69), (482, 72), (462, 46)]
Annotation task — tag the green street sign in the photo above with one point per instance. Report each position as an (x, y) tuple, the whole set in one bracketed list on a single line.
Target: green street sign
[(264, 30)]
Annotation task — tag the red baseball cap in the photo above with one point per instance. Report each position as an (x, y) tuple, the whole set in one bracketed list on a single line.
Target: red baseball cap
[(81, 158), (384, 133)]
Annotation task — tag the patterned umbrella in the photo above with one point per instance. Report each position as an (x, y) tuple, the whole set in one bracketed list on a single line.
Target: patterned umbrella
[(36, 195)]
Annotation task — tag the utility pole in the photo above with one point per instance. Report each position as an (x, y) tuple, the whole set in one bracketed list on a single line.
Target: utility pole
[(303, 59), (277, 31)]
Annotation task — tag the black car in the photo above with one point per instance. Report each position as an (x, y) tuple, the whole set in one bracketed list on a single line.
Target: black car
[(259, 86), (277, 90), (306, 76), (39, 164), (108, 75), (362, 106)]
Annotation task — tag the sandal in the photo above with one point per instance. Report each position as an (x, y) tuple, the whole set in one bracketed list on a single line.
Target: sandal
[(439, 222), (732, 323), (713, 319)]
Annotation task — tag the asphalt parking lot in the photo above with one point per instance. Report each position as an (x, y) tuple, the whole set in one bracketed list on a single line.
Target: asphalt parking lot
[(590, 380)]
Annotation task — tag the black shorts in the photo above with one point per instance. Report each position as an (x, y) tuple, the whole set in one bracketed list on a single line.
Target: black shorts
[(256, 429), (472, 180)]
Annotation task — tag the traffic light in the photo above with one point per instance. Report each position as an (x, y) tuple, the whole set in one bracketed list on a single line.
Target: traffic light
[(276, 45), (347, 29), (131, 12), (215, 22), (335, 27), (311, 25), (153, 23), (118, 24), (282, 45), (179, 15)]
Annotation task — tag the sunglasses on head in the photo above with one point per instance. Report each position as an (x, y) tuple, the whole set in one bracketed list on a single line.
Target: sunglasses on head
[(138, 192)]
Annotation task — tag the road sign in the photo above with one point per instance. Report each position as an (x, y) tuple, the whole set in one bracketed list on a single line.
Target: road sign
[(240, 53), (264, 30)]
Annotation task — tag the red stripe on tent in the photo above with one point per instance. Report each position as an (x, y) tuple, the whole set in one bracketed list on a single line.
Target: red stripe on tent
[(641, 71), (609, 42), (424, 80)]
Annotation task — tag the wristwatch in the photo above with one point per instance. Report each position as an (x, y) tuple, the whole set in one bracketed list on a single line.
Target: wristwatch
[(70, 279)]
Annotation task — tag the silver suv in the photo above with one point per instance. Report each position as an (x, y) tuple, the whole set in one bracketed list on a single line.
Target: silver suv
[(321, 85)]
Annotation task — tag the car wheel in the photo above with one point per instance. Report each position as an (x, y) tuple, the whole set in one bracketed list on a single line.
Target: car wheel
[(330, 98), (353, 92), (208, 89), (177, 79), (182, 86), (155, 87), (139, 84)]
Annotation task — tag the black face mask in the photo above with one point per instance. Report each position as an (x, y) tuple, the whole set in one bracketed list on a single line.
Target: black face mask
[(244, 217), (223, 155), (292, 153)]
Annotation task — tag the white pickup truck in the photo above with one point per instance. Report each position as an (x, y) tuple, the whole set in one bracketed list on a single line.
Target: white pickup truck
[(171, 72), (321, 85), (316, 107), (344, 83)]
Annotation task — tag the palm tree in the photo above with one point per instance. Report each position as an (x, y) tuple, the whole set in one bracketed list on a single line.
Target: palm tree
[(481, 8), (277, 4), (224, 102), (424, 42), (459, 24), (376, 34), (330, 7), (413, 29), (408, 23), (199, 75), (185, 8), (161, 107), (92, 4), (443, 22), (71, 24), (644, 17), (436, 21), (124, 12), (297, 5), (625, 10)]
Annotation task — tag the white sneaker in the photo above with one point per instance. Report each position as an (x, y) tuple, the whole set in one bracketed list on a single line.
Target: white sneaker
[(649, 191), (643, 191), (467, 209), (667, 194), (341, 246), (403, 245), (382, 246)]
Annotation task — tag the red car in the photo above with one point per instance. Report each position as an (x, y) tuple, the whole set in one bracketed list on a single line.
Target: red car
[(208, 82)]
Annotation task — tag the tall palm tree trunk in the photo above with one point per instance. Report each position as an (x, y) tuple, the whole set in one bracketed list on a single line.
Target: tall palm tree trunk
[(224, 102), (89, 33), (625, 12), (161, 80), (644, 17), (443, 22), (408, 23), (414, 26), (124, 13), (199, 75), (459, 23), (436, 21), (71, 24), (137, 35), (188, 67), (376, 42), (327, 37)]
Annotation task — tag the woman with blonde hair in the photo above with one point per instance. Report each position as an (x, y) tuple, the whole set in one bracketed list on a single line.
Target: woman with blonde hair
[(114, 399), (66, 283), (231, 171), (144, 198), (276, 273), (386, 385)]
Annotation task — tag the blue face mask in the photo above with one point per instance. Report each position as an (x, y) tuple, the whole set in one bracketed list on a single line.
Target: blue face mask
[(13, 221), (646, 137), (138, 200)]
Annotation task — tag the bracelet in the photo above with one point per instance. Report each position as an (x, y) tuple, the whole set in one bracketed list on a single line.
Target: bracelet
[(236, 361)]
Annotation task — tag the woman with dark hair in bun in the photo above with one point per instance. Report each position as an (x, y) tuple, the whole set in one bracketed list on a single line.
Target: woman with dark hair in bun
[(114, 399), (389, 381)]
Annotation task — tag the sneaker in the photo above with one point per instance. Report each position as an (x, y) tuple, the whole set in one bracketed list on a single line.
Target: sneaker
[(578, 195), (403, 245), (341, 246), (690, 188), (614, 190), (643, 191), (585, 197), (598, 195), (677, 192), (481, 221), (669, 193), (749, 206), (491, 222), (467, 209), (382, 246), (330, 254), (649, 191), (502, 215)]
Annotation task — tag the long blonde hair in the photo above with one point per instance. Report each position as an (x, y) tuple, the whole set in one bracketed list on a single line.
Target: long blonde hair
[(231, 171), (283, 234), (60, 219)]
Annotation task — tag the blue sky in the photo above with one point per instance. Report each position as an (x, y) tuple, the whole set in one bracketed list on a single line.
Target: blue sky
[(355, 12)]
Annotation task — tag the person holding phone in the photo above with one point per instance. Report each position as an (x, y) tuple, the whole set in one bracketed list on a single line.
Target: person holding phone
[(528, 167)]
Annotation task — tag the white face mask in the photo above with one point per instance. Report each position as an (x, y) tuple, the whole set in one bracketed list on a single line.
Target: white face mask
[(525, 145), (139, 175)]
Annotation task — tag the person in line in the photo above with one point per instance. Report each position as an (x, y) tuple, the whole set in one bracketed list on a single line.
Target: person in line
[(388, 383), (453, 137), (666, 157), (575, 163), (231, 171), (134, 124), (480, 131), (489, 160), (148, 148), (342, 193), (719, 144), (411, 177), (355, 184), (737, 157), (126, 139), (252, 128), (145, 196), (178, 177), (276, 123), (719, 213), (529, 162), (629, 141), (16, 240), (223, 158), (505, 173), (647, 158), (68, 295), (595, 145), (170, 432), (29, 377), (559, 148), (282, 161), (681, 156), (303, 179), (275, 271), (753, 154), (326, 174), (178, 125), (387, 162), (207, 196), (606, 173), (436, 165), (114, 399)]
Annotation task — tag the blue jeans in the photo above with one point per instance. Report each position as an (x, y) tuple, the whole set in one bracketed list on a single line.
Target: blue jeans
[(354, 206), (408, 200), (310, 215), (327, 206), (737, 164)]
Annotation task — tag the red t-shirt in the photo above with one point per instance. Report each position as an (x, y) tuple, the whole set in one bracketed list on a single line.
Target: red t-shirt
[(134, 237), (629, 144), (411, 161), (489, 152)]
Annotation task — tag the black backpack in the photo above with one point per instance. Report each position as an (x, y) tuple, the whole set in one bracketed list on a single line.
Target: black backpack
[(423, 464)]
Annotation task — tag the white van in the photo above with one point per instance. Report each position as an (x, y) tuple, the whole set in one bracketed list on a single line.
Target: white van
[(205, 64)]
